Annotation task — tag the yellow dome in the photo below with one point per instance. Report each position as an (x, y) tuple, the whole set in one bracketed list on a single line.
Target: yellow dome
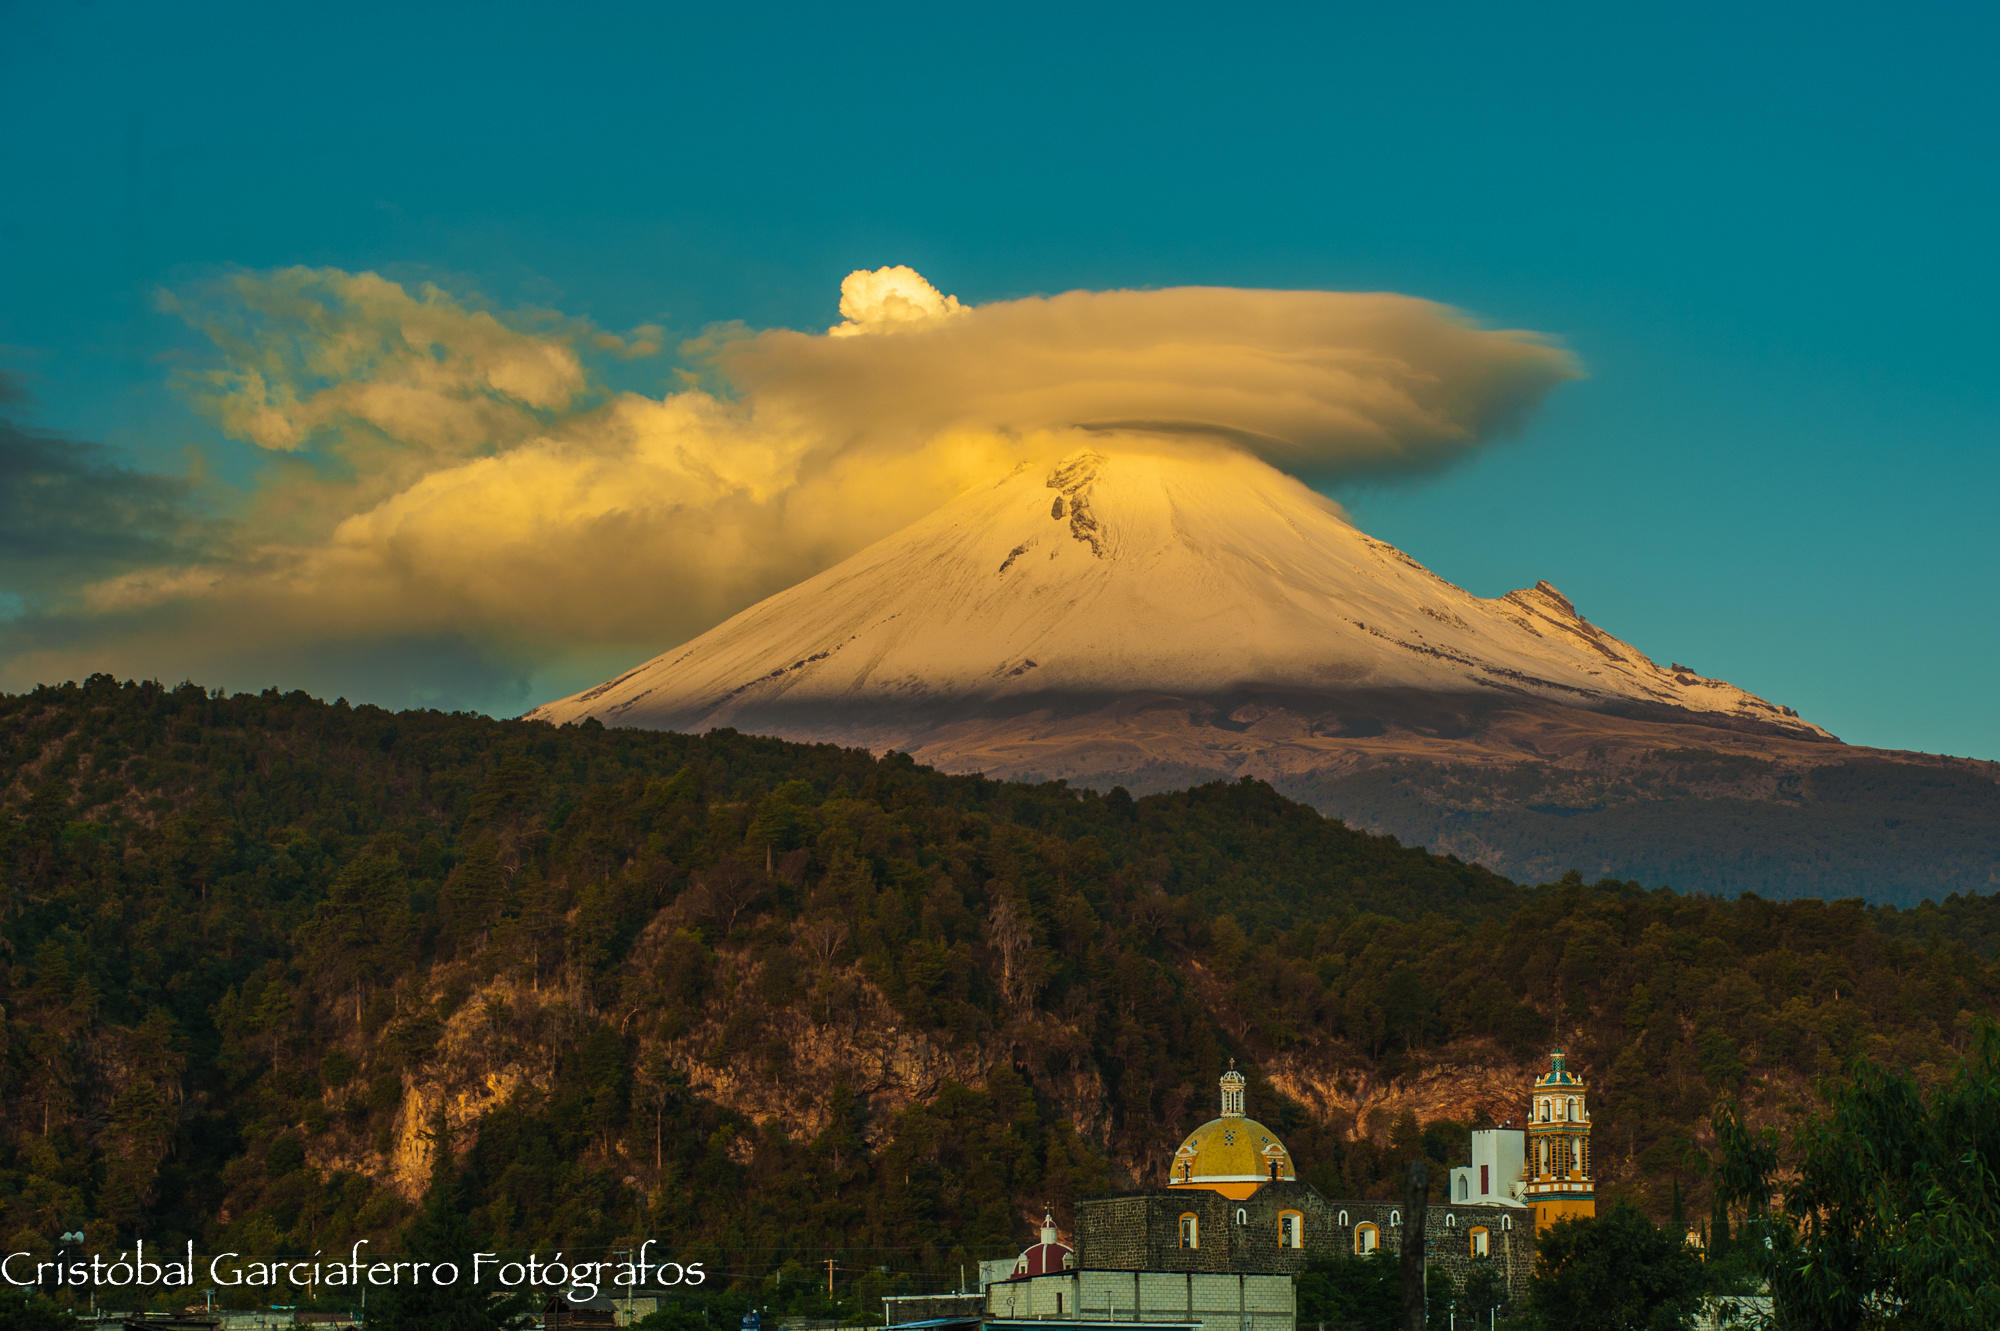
[(1232, 1155)]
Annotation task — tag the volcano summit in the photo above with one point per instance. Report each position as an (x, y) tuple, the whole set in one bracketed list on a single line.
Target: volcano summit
[(1160, 618), (1198, 575)]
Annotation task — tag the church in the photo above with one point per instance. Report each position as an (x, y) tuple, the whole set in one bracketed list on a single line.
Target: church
[(1219, 1245)]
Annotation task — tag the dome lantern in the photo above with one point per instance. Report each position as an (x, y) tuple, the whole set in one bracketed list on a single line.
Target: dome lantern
[(1232, 1092)]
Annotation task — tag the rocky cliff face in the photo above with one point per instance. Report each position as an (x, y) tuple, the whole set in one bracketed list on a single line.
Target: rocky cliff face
[(501, 1040), (504, 1041)]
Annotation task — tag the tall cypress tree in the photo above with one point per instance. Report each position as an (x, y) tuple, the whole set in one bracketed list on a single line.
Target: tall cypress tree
[(1718, 1226)]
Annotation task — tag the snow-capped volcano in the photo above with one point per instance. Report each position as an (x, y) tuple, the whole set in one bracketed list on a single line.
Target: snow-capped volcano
[(1190, 574)]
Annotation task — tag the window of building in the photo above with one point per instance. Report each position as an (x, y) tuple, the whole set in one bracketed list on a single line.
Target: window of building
[(1506, 1222), (1485, 1180), (1479, 1243), (1395, 1219), (1291, 1229), (1242, 1216), (1460, 1188), (1190, 1230), (1451, 1222), (1343, 1220), (1367, 1238)]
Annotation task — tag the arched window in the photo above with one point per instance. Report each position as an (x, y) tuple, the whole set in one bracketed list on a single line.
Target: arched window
[(1291, 1229), (1506, 1222), (1572, 1107), (1367, 1239), (1463, 1187), (1395, 1219), (1451, 1222), (1479, 1244), (1190, 1230), (1343, 1219), (1242, 1216)]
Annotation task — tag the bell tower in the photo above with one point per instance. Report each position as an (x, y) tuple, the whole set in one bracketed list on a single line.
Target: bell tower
[(1559, 1177)]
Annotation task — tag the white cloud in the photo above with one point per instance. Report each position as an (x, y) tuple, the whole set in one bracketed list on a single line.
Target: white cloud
[(890, 299)]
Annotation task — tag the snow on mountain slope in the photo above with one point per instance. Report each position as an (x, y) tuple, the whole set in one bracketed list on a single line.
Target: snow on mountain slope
[(1193, 573)]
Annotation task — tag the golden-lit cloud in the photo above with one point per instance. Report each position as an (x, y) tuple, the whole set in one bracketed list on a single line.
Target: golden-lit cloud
[(383, 381), (311, 350), (1327, 384), (437, 471), (884, 299)]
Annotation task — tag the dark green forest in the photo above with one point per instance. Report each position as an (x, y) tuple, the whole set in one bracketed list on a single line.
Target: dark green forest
[(265, 960)]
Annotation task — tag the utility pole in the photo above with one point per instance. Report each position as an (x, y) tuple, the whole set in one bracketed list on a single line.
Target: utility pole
[(626, 1253), (829, 1277)]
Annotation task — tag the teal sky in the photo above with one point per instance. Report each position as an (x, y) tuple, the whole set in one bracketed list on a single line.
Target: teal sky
[(1769, 237)]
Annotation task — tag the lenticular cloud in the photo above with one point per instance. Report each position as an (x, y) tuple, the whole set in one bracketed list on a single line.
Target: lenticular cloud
[(1327, 384), (456, 472)]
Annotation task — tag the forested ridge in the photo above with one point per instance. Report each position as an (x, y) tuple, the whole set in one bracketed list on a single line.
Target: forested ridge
[(1895, 829), (261, 955)]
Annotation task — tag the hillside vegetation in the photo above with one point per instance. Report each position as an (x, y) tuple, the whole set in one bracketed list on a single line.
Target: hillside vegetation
[(261, 957), (1891, 829)]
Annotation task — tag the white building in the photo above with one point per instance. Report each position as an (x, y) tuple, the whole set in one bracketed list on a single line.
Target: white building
[(1498, 1174)]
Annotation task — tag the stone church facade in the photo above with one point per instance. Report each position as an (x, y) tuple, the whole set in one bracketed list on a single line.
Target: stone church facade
[(1149, 1231)]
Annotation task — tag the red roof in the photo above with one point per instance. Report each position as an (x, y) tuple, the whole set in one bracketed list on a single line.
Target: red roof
[(1044, 1259)]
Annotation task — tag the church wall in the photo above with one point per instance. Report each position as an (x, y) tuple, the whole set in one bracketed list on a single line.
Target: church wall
[(1141, 1232)]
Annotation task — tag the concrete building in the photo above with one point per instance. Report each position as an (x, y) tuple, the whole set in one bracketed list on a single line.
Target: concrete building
[(1214, 1301)]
